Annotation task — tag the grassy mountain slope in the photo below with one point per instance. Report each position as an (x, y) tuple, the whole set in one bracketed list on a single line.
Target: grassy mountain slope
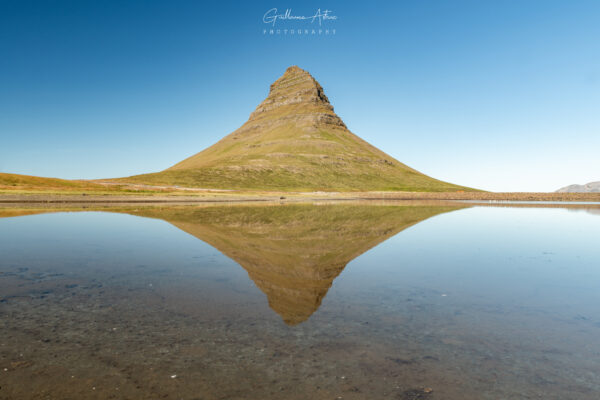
[(26, 182), (294, 141)]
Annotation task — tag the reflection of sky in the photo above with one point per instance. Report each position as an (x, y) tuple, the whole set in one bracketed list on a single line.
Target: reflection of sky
[(103, 241), (514, 256)]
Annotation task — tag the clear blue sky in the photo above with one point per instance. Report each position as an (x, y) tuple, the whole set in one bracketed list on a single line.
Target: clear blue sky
[(499, 95)]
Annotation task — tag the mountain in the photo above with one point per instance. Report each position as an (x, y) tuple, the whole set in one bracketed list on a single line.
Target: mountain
[(294, 141), (592, 187)]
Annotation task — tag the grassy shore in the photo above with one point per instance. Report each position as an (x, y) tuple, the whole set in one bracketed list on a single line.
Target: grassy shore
[(237, 196), (22, 188)]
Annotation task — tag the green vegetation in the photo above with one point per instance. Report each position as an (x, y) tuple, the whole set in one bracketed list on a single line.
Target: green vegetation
[(26, 182), (317, 178), (27, 185)]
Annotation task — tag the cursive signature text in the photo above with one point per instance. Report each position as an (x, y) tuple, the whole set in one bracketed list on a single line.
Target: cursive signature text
[(272, 16)]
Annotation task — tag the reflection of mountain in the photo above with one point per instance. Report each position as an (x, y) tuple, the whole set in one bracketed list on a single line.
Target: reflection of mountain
[(19, 212), (294, 252), (594, 210)]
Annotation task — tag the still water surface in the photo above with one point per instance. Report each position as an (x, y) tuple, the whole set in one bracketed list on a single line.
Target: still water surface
[(298, 301)]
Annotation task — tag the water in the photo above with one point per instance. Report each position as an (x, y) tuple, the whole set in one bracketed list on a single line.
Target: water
[(354, 301)]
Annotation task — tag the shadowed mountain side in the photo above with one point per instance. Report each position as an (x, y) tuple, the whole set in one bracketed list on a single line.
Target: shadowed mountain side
[(294, 252)]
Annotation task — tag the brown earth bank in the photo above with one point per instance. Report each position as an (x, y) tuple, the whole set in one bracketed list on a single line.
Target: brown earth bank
[(237, 196)]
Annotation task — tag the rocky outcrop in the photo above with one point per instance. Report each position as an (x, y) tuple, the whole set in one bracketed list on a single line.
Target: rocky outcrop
[(592, 187), (297, 95)]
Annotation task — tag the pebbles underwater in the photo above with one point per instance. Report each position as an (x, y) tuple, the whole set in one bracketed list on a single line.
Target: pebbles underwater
[(300, 302)]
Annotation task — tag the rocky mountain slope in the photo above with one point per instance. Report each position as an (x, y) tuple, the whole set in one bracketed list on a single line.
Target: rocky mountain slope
[(592, 187)]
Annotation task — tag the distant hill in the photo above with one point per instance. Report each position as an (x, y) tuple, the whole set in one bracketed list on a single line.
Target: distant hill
[(592, 187), (26, 182), (294, 141)]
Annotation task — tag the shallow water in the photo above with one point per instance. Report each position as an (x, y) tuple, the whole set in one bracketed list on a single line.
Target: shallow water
[(352, 301)]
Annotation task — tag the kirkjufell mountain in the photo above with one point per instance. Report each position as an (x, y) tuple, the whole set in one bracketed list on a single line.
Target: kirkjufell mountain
[(294, 141)]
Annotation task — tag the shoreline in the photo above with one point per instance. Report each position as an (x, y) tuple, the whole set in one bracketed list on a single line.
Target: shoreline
[(230, 196)]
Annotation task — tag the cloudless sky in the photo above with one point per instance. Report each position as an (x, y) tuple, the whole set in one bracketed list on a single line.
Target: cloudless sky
[(498, 95)]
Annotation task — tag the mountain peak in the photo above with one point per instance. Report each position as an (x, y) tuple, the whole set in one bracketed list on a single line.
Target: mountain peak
[(296, 92), (293, 69)]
